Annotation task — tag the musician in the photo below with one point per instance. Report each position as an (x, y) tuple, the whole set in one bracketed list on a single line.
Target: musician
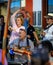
[(48, 32), (24, 43)]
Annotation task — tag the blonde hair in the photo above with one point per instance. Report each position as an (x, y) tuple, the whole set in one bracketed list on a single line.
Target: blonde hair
[(22, 19)]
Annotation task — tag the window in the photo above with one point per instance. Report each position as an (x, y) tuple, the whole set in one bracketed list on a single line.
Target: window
[(23, 3), (37, 12), (50, 6), (37, 18)]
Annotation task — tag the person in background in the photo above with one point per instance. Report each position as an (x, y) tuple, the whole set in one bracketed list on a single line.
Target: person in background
[(48, 32), (31, 34), (47, 35), (17, 24), (2, 24), (27, 17)]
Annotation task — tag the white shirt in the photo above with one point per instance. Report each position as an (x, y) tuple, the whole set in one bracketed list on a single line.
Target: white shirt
[(49, 33)]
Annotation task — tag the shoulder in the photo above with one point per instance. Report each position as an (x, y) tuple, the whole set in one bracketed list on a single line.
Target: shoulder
[(30, 42), (31, 45), (23, 27), (32, 28), (51, 27)]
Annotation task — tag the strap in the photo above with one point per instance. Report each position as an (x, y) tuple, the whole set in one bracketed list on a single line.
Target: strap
[(48, 26), (27, 41), (28, 44), (19, 44)]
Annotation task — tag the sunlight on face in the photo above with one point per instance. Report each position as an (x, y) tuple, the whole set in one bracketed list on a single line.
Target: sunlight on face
[(49, 21), (18, 21)]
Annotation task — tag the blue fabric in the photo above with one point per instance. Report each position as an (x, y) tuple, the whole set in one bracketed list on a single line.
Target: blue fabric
[(0, 63), (14, 42), (36, 53), (41, 52), (25, 23), (11, 51)]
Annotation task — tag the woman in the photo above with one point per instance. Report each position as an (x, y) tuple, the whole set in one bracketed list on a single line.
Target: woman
[(31, 34), (16, 21)]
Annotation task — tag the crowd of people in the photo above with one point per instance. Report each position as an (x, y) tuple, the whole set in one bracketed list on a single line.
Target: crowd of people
[(23, 35)]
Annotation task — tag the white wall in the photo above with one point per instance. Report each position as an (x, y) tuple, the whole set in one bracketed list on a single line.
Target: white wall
[(37, 5)]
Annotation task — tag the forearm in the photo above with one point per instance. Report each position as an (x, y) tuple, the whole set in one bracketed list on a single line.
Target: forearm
[(16, 12), (13, 18), (29, 59), (22, 51), (36, 37)]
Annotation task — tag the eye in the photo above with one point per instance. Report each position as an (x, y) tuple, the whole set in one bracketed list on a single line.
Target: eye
[(17, 20), (19, 32)]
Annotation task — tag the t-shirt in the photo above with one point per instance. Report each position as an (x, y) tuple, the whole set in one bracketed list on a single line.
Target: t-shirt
[(22, 43), (30, 31), (15, 34), (49, 33)]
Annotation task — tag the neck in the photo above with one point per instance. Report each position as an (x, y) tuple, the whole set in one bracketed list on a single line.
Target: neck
[(50, 23), (23, 38), (18, 26)]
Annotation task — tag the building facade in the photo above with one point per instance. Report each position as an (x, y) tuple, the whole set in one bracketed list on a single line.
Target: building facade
[(37, 8)]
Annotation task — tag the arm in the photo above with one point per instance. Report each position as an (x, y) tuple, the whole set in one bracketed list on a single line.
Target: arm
[(23, 12), (23, 51), (36, 37), (13, 18)]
